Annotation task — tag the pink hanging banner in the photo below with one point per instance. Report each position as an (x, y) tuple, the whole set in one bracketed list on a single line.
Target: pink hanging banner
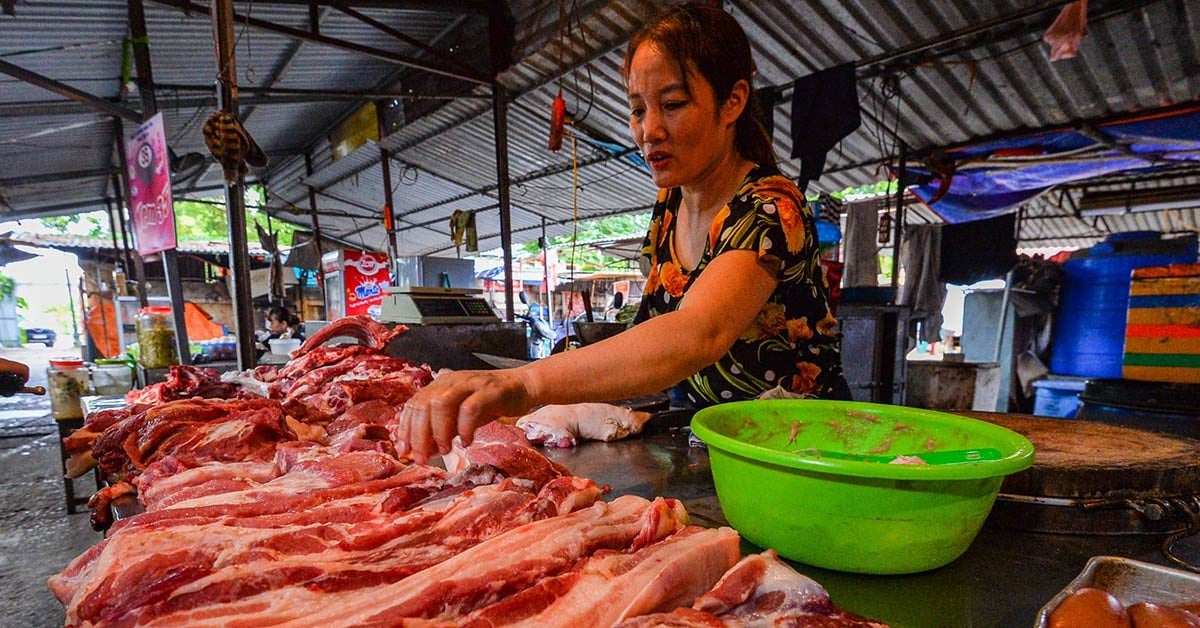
[(152, 210)]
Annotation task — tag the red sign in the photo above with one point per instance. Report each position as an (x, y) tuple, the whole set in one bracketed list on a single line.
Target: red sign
[(366, 275), (151, 207)]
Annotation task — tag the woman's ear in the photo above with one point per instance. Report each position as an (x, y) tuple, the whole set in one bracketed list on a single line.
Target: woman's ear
[(733, 106)]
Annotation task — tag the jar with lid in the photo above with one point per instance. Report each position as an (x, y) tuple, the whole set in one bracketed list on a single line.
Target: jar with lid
[(67, 383), (111, 377), (156, 337)]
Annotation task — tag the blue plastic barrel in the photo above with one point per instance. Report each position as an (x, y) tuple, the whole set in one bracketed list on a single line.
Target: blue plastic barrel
[(1089, 334)]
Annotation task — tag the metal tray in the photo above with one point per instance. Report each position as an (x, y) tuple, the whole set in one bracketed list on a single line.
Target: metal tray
[(1130, 581)]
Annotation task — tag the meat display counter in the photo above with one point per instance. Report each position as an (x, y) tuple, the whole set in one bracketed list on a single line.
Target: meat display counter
[(1002, 580)]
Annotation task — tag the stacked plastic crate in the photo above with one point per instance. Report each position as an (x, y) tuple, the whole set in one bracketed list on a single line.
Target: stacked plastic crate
[(1162, 333)]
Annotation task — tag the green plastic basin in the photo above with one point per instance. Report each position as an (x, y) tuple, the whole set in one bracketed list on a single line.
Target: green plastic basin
[(784, 481)]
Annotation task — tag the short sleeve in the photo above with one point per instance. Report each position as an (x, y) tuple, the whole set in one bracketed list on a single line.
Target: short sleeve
[(767, 217)]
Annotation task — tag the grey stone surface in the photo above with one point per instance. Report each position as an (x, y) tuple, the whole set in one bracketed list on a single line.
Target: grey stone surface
[(37, 536)]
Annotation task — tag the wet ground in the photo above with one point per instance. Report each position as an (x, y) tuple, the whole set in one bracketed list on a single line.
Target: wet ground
[(37, 536)]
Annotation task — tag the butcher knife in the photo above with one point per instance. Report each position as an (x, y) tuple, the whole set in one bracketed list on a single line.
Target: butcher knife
[(499, 361)]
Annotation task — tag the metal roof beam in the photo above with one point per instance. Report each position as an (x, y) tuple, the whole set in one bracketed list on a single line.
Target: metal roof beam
[(55, 177), (478, 7), (412, 41), (317, 95), (526, 178), (333, 42), (80, 96)]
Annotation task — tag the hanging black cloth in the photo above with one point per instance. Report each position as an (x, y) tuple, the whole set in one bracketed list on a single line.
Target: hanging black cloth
[(824, 110), (978, 250)]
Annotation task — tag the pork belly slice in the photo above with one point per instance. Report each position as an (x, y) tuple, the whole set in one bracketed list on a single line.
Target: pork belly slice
[(760, 591), (175, 479), (185, 570), (265, 509), (612, 586), (476, 577)]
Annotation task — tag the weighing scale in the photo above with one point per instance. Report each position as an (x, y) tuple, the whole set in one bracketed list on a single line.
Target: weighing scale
[(435, 306)]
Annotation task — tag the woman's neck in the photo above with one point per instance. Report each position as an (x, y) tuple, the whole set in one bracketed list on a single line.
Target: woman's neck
[(717, 186)]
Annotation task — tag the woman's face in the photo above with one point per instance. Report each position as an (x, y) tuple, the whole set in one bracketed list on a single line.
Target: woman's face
[(275, 326), (683, 135)]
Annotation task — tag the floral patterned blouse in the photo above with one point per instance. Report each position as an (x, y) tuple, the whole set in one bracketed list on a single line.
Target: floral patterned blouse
[(794, 340)]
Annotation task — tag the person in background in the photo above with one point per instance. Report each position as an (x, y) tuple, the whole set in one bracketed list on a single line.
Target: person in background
[(280, 323), (541, 336), (735, 304), (101, 322)]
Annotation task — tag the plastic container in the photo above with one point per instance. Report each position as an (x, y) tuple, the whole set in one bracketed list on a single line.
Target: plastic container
[(67, 382), (156, 337), (1089, 336), (284, 346), (1057, 397), (112, 377), (807, 478)]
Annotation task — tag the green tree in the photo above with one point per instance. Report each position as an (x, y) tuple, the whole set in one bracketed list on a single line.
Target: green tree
[(574, 248), (203, 220)]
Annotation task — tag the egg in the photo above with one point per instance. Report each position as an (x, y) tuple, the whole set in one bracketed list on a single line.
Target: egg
[(1150, 615), (1090, 608)]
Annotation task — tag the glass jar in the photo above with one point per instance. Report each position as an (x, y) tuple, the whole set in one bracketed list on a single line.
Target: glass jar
[(67, 383), (156, 337), (111, 377)]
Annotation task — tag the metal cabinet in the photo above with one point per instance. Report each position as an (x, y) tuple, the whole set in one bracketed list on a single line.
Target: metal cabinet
[(873, 349)]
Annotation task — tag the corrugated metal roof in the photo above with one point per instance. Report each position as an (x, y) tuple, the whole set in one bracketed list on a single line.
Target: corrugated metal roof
[(976, 68)]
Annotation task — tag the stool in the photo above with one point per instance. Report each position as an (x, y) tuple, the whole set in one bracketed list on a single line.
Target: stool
[(65, 427)]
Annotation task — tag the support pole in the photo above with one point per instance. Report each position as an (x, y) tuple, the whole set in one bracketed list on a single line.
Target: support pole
[(235, 188), (170, 257), (316, 222), (389, 210), (121, 189), (500, 119), (546, 276), (899, 226)]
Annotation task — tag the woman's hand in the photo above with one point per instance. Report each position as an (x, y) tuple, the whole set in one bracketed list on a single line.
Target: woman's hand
[(458, 402)]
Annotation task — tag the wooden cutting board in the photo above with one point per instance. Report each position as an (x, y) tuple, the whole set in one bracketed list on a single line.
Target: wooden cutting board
[(1086, 461)]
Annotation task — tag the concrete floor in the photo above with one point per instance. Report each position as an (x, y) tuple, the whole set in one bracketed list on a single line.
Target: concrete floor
[(37, 536)]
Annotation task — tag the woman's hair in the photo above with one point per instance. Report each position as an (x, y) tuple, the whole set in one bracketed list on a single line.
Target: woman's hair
[(283, 315), (711, 41)]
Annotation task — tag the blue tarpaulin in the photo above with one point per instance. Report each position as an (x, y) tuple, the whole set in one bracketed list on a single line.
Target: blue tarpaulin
[(994, 178)]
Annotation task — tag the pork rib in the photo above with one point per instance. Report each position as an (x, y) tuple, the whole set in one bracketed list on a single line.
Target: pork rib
[(361, 328)]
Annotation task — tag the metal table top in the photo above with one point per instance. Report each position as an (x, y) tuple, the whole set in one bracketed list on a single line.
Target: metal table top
[(1000, 582)]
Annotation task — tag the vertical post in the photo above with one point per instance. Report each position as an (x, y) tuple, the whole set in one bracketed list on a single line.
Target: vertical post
[(170, 257), (899, 226), (500, 120), (316, 223), (546, 276), (312, 208), (389, 211), (71, 304), (235, 196), (121, 189)]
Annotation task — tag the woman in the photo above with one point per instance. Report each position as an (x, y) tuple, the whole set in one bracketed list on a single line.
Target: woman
[(280, 323), (735, 303)]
